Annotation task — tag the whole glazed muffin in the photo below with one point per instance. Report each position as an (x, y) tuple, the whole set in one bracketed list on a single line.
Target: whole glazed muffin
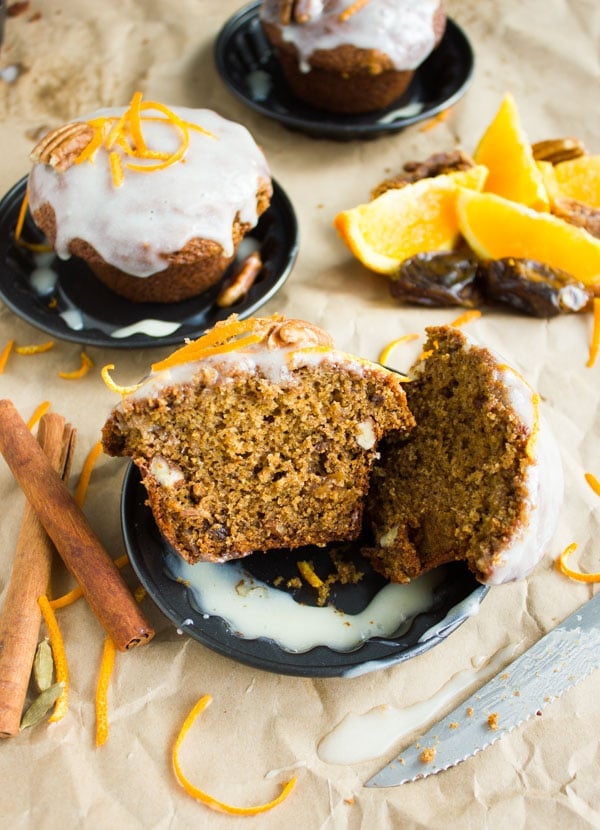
[(351, 56), (156, 200)]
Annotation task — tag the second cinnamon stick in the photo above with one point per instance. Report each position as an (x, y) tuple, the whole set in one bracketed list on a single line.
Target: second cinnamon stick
[(69, 529)]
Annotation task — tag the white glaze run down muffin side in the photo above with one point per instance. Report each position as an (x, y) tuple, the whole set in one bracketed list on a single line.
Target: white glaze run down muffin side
[(157, 212), (402, 29)]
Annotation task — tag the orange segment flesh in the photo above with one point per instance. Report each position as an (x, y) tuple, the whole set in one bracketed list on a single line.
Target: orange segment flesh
[(403, 222), (505, 150), (577, 179), (495, 227)]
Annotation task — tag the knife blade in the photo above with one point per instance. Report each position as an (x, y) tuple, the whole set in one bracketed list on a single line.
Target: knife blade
[(560, 659)]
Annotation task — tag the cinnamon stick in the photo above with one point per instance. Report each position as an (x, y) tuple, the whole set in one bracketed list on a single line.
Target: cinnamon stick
[(20, 617), (69, 529)]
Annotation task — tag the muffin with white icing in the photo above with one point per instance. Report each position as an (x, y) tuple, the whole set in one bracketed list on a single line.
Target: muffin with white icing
[(155, 200), (351, 56)]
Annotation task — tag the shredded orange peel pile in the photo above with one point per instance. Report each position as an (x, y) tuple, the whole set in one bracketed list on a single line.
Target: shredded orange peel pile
[(205, 798), (124, 136), (60, 658)]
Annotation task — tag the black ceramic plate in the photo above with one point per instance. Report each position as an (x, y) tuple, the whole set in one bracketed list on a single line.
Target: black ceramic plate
[(456, 594), (79, 308), (248, 67)]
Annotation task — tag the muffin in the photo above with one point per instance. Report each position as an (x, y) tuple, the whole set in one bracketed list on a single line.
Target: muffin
[(478, 480), (351, 56), (155, 200), (259, 435)]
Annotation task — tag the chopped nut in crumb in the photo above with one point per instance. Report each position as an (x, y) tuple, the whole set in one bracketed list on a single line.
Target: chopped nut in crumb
[(427, 755), (493, 720)]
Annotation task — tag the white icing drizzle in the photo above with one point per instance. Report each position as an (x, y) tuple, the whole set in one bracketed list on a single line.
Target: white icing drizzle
[(153, 214), (253, 609), (149, 327), (402, 29), (368, 735)]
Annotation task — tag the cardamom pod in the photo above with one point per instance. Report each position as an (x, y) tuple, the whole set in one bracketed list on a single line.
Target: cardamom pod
[(43, 666), (41, 705)]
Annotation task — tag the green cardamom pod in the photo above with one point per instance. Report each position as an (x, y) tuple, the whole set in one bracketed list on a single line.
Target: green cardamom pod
[(40, 706), (43, 666)]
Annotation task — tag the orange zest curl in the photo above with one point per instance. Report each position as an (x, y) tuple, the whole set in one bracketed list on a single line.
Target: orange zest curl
[(578, 575), (37, 413), (387, 350), (123, 136), (86, 365), (465, 318), (352, 9), (593, 482), (106, 669), (205, 798), (38, 348), (308, 574), (114, 387), (86, 473), (5, 354), (222, 338), (595, 340), (60, 658), (433, 122)]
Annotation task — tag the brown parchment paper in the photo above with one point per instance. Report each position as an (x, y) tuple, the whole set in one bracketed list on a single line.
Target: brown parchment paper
[(79, 56)]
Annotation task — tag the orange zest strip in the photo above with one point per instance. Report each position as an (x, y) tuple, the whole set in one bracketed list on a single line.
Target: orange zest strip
[(387, 350), (86, 365), (595, 341), (200, 795), (437, 119), (21, 216), (106, 668), (578, 575), (593, 482), (38, 348), (116, 168), (135, 124), (114, 387), (88, 152), (60, 658), (461, 320), (308, 574), (86, 473), (76, 593), (352, 9), (5, 354), (37, 413), (219, 335)]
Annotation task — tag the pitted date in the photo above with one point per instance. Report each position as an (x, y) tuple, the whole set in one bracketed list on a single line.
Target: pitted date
[(532, 287), (438, 279)]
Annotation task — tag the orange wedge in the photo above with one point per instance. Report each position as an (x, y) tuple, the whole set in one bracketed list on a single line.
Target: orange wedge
[(407, 221), (577, 179), (495, 227), (505, 150)]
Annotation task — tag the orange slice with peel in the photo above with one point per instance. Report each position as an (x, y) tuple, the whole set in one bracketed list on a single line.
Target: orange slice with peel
[(577, 179), (400, 223), (495, 227), (505, 150)]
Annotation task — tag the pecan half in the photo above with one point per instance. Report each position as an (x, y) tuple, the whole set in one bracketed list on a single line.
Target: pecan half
[(578, 213), (556, 150), (60, 147)]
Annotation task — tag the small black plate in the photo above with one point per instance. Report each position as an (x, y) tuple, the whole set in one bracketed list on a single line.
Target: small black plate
[(247, 65), (456, 596), (100, 313)]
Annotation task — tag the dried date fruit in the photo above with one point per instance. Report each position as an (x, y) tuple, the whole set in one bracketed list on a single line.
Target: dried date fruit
[(438, 279), (533, 287), (435, 165)]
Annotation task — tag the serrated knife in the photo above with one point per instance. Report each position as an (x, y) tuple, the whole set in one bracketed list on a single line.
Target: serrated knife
[(557, 661)]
